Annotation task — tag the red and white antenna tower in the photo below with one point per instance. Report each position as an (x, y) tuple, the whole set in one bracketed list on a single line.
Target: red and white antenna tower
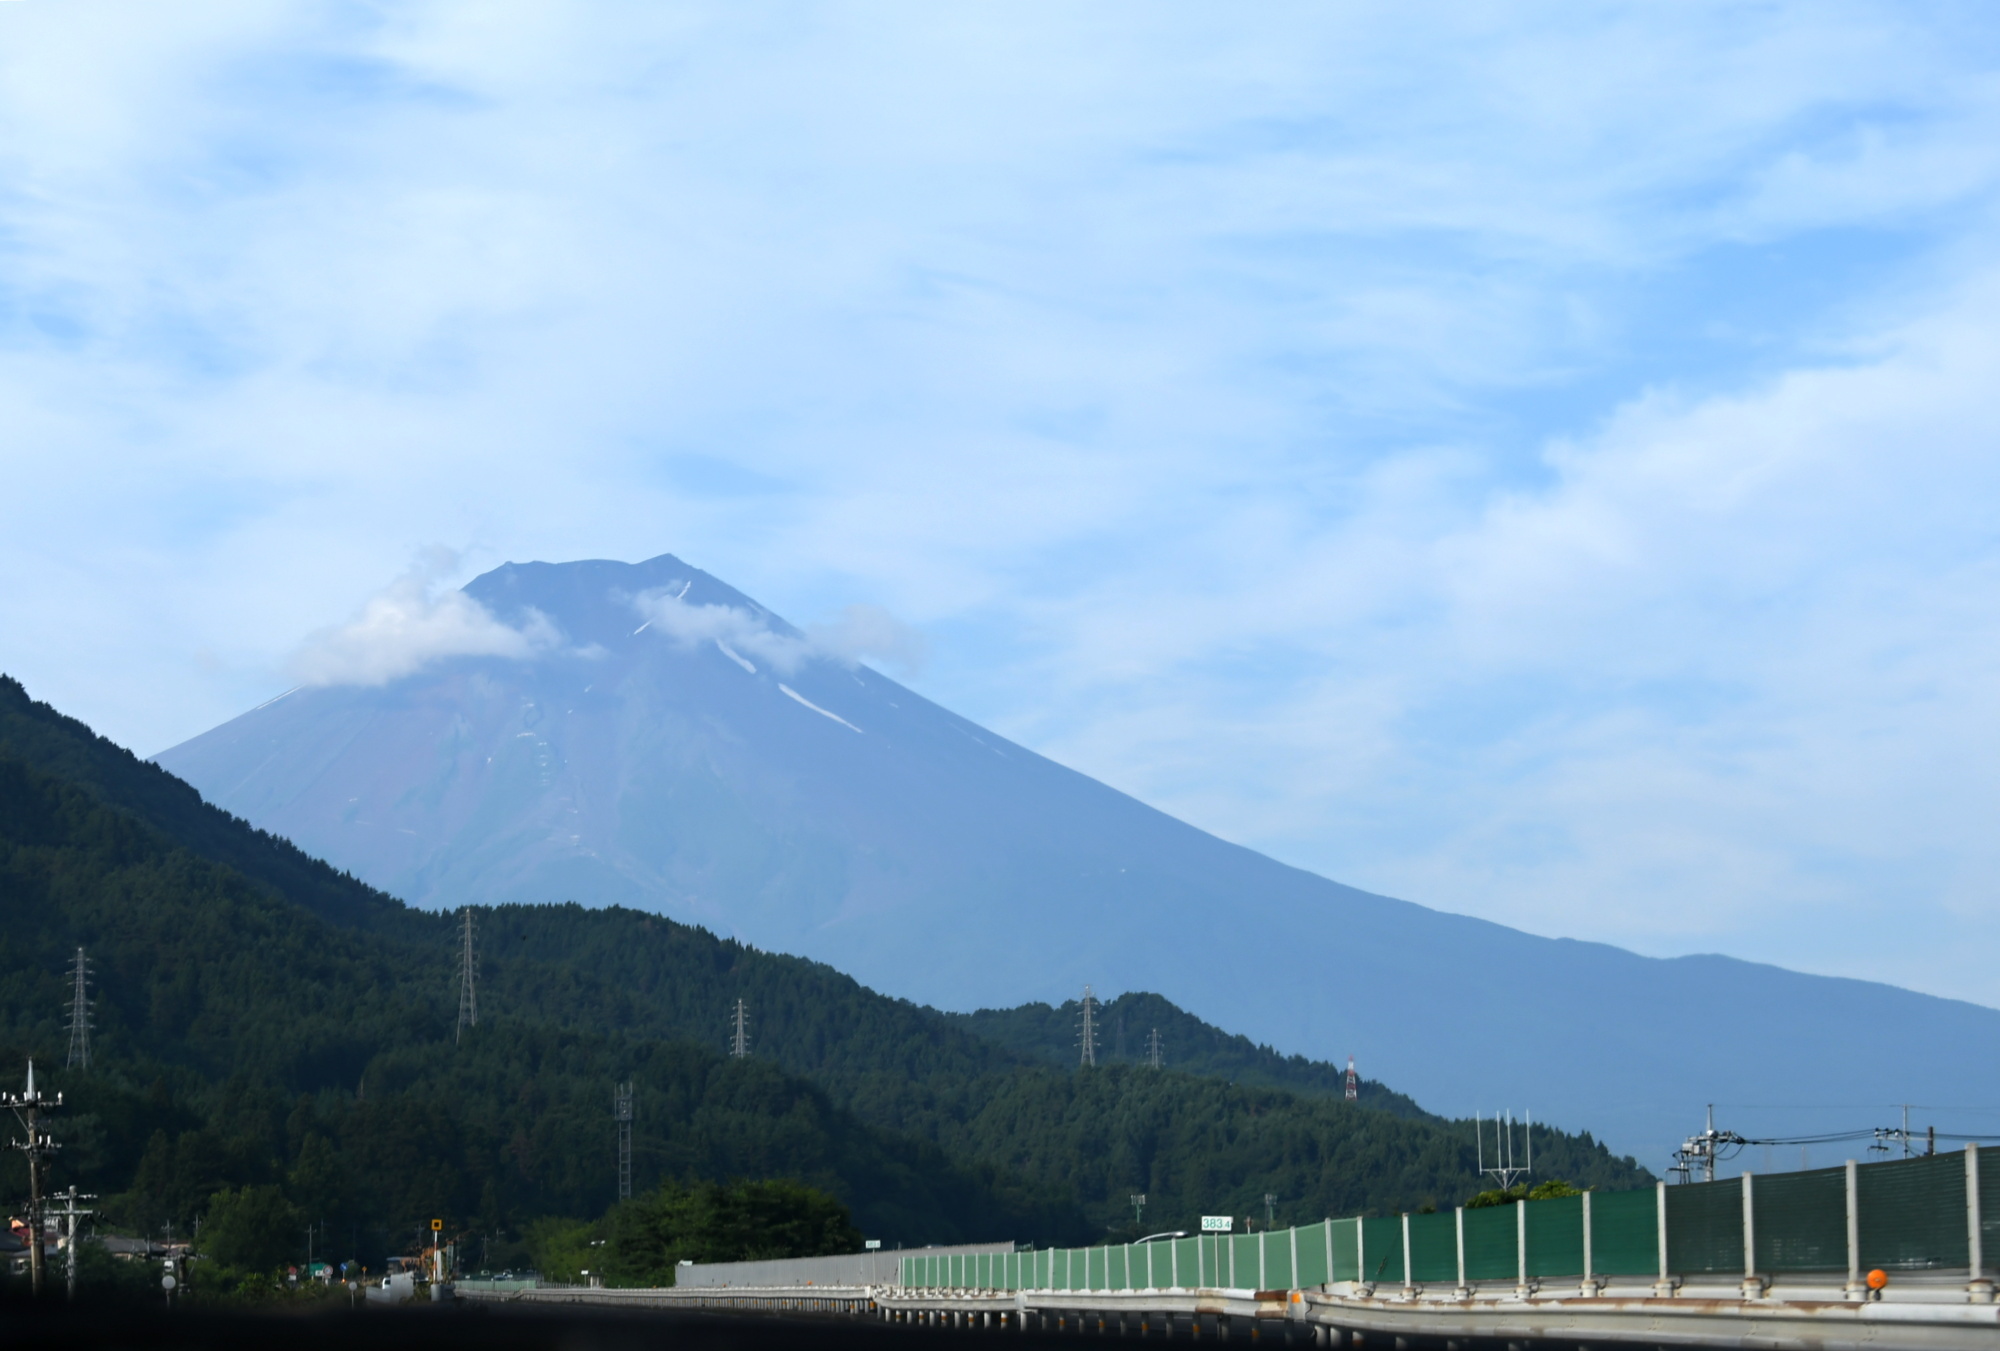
[(1353, 1084)]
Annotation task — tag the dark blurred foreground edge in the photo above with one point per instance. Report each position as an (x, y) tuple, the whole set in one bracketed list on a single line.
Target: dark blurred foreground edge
[(451, 1328)]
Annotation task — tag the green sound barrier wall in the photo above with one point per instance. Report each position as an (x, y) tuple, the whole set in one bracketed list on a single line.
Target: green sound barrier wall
[(1910, 1214)]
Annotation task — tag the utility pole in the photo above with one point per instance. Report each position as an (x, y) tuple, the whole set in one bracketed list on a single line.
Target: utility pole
[(739, 1031), (28, 1108), (624, 1106), (72, 1213), (79, 1013), (1153, 1057), (1901, 1134), (468, 977), (1699, 1153), (1088, 1039)]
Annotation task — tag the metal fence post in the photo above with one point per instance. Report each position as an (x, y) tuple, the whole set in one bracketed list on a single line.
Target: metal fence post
[(1977, 1285), (1459, 1217), (1294, 1282), (1409, 1277), (1521, 1246), (1855, 1289), (1752, 1287), (1665, 1286), (1589, 1269), (1329, 1250), (1263, 1267), (1360, 1253)]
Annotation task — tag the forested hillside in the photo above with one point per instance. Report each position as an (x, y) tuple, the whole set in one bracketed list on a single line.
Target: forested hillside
[(265, 1020), (242, 1041), (1125, 1029)]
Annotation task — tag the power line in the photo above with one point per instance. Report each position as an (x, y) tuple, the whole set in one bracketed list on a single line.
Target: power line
[(468, 977), (79, 1013), (1700, 1153)]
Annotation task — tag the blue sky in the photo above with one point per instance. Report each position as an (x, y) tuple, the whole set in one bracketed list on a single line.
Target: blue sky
[(1542, 468)]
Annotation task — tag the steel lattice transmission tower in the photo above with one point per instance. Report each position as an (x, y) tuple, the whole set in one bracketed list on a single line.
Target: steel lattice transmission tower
[(1153, 1056), (1353, 1085), (624, 1106), (79, 1013), (1087, 1039), (468, 976), (739, 1031)]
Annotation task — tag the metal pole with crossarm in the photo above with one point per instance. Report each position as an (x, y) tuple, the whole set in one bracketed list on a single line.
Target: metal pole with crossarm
[(29, 1106)]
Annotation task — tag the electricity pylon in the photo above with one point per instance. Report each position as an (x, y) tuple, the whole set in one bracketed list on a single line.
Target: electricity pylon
[(79, 1013), (739, 1031), (468, 977), (1087, 1040), (1153, 1057), (624, 1105)]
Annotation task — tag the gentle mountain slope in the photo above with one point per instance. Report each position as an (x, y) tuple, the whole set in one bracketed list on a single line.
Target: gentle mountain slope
[(823, 809)]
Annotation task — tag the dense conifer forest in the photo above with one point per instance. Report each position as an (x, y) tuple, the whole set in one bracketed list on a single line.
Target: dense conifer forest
[(274, 1037)]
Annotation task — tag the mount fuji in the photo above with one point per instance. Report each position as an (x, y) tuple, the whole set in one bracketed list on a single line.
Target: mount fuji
[(645, 735)]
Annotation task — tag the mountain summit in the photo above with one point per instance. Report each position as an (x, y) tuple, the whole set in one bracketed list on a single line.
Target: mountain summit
[(644, 734)]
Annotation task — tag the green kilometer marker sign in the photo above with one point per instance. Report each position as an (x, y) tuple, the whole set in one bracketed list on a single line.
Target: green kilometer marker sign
[(1218, 1224)]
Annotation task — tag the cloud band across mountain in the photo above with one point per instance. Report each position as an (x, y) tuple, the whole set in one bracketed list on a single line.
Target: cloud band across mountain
[(862, 632), (410, 624), (416, 621)]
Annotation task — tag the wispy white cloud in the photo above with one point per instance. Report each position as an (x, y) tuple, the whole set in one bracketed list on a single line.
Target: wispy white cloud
[(871, 633), (414, 621), (1720, 680), (861, 633)]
